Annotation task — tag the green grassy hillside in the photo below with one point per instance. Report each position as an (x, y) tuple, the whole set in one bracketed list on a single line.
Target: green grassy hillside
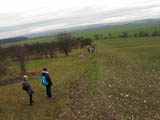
[(14, 102)]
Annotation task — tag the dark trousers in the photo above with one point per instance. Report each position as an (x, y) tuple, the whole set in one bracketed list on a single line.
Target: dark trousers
[(48, 90), (30, 99)]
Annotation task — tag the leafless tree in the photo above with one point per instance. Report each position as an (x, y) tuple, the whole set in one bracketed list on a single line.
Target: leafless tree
[(18, 54), (64, 42)]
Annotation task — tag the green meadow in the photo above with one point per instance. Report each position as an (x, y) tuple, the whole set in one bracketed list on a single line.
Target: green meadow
[(40, 40), (14, 102), (118, 30)]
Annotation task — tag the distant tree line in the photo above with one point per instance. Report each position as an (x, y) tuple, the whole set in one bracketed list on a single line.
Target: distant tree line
[(140, 34), (126, 34), (22, 53), (11, 40)]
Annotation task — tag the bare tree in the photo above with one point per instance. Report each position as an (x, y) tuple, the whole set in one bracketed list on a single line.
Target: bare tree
[(110, 35), (125, 34), (97, 37), (52, 49), (64, 42), (20, 57)]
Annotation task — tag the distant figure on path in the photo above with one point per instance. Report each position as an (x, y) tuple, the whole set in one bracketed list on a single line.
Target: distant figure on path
[(27, 87), (92, 48), (89, 49), (48, 84), (81, 56)]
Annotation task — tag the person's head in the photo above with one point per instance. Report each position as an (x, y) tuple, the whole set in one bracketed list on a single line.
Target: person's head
[(25, 77), (44, 70)]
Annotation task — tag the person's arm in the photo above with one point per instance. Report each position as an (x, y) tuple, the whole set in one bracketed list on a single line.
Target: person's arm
[(49, 79), (25, 85)]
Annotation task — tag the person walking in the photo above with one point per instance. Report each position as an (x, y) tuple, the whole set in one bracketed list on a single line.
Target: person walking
[(27, 87), (92, 48), (48, 81), (81, 56), (89, 50)]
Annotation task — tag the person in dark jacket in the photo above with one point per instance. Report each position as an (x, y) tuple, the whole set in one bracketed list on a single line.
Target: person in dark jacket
[(27, 87), (48, 87)]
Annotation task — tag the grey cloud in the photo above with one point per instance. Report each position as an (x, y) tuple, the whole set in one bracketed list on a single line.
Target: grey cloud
[(85, 16), (126, 11)]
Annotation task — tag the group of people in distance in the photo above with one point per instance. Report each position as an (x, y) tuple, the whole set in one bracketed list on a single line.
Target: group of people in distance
[(27, 87), (91, 49)]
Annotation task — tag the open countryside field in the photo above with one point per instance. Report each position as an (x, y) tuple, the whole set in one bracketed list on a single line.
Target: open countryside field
[(40, 40), (118, 30), (14, 102), (121, 79), (33, 41), (114, 30), (129, 77), (80, 60)]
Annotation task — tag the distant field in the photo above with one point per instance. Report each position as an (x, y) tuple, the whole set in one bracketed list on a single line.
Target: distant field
[(114, 30), (32, 41), (129, 77), (40, 40), (145, 50), (117, 30)]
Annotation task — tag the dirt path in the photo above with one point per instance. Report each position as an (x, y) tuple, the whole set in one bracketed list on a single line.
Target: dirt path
[(83, 104)]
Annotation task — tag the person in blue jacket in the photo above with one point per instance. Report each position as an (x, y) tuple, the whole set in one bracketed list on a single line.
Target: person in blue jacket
[(48, 87)]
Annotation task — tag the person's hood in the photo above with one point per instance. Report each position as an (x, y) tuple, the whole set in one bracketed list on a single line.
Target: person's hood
[(45, 72)]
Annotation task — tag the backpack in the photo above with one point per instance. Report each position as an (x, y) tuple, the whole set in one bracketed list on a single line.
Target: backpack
[(44, 81)]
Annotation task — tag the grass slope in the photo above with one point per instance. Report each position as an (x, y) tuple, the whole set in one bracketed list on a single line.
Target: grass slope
[(130, 77), (14, 101)]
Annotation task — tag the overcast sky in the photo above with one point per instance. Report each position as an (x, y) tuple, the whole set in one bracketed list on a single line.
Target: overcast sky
[(19, 17)]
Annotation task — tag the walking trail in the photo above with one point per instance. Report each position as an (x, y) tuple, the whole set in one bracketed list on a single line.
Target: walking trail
[(84, 105)]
